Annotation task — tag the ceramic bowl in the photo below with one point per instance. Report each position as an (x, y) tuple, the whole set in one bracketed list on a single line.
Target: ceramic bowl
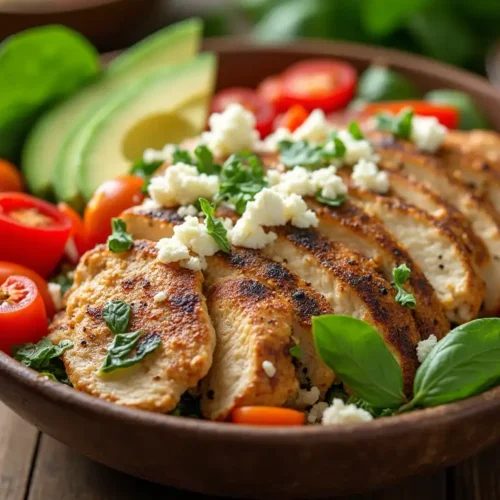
[(241, 461)]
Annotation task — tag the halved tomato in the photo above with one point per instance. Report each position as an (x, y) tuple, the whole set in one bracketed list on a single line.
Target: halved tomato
[(263, 110), (10, 177), (324, 83), (292, 119), (271, 89)]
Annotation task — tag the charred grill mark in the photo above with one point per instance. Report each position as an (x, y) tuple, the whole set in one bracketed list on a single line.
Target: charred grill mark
[(186, 303), (279, 273), (129, 283), (253, 289), (94, 312), (306, 305), (164, 214)]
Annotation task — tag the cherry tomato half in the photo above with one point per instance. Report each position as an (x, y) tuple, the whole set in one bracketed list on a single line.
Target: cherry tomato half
[(8, 269), (77, 243), (267, 415), (10, 178), (271, 89), (263, 111), (293, 118), (324, 83), (109, 201), (34, 233), (447, 115), (22, 313)]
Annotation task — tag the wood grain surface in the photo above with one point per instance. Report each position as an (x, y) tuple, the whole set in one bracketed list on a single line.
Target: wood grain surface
[(36, 467)]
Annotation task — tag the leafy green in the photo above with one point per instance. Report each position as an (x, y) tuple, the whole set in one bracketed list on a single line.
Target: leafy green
[(39, 67), (241, 178), (145, 170), (44, 358), (356, 352), (215, 228), (296, 351), (63, 280), (375, 412), (336, 148), (400, 125), (120, 240), (205, 161), (355, 131), (332, 202), (293, 154), (464, 363), (400, 275), (123, 344), (116, 315), (182, 156)]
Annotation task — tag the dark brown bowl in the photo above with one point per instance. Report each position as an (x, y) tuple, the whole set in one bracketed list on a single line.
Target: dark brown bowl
[(225, 459)]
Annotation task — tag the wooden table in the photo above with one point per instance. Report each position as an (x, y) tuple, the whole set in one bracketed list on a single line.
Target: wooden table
[(33, 466)]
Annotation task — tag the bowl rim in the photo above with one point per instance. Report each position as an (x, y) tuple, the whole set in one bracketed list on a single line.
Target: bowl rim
[(392, 427), (49, 7)]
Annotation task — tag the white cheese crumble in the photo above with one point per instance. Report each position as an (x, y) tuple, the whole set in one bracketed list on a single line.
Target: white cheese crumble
[(231, 131), (191, 236), (269, 368), (187, 210), (315, 128), (427, 133), (340, 413), (315, 414), (424, 347), (271, 142), (356, 149), (306, 397), (55, 292), (250, 235), (182, 184), (367, 176), (151, 155), (160, 297)]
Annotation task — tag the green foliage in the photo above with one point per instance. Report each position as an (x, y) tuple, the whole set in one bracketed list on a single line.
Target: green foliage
[(401, 274), (120, 240), (214, 226)]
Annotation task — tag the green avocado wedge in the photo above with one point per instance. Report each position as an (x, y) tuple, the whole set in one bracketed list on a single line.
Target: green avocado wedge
[(165, 107), (51, 133)]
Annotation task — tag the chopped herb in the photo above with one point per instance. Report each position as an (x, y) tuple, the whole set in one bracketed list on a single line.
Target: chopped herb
[(355, 131), (44, 358), (63, 281), (145, 171), (401, 275), (116, 314), (205, 161), (400, 126), (337, 149), (215, 228), (182, 156), (120, 240), (301, 153), (296, 351), (375, 412), (332, 202)]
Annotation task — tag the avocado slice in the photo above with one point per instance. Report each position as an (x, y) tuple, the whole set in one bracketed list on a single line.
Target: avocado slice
[(165, 107), (171, 45)]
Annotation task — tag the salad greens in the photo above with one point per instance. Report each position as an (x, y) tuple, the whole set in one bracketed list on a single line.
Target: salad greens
[(120, 240)]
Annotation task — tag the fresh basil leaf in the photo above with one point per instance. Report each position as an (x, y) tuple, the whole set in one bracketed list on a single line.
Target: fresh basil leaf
[(296, 351), (120, 240), (293, 154), (44, 358), (401, 275), (464, 363), (116, 314), (215, 228), (205, 161), (145, 170), (332, 202), (182, 156), (355, 131), (356, 352)]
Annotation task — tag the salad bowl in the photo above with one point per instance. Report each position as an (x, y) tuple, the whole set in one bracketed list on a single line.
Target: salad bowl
[(245, 461)]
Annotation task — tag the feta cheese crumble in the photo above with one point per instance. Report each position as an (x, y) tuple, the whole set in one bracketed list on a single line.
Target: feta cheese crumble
[(160, 297), (427, 133), (55, 292), (315, 414), (182, 184), (315, 128), (269, 368), (340, 413), (424, 347), (306, 397), (188, 210), (191, 236), (151, 155), (231, 131), (356, 149), (367, 176)]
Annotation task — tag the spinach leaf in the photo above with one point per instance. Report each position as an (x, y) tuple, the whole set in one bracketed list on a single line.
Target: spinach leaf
[(145, 170), (120, 240), (116, 314), (332, 202), (123, 344), (356, 352), (464, 363), (44, 358), (215, 228), (401, 275)]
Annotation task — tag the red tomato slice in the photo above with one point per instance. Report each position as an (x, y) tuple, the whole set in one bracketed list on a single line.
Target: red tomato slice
[(447, 115), (271, 89), (263, 111), (77, 243), (22, 313), (324, 83), (293, 118), (34, 233)]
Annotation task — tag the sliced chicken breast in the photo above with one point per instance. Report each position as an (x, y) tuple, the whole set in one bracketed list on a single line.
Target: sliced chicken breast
[(480, 142), (252, 364), (181, 321)]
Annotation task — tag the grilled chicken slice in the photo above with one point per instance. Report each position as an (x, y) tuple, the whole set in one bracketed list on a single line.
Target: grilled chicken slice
[(304, 301), (352, 286), (187, 337), (480, 142), (400, 155), (350, 225), (252, 364), (435, 248)]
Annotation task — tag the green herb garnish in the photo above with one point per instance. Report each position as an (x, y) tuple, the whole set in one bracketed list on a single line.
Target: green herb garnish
[(336, 149), (400, 125), (120, 240), (300, 153), (182, 156), (215, 228), (145, 171), (401, 275), (332, 202), (296, 351), (355, 131), (205, 161), (44, 358), (116, 314)]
